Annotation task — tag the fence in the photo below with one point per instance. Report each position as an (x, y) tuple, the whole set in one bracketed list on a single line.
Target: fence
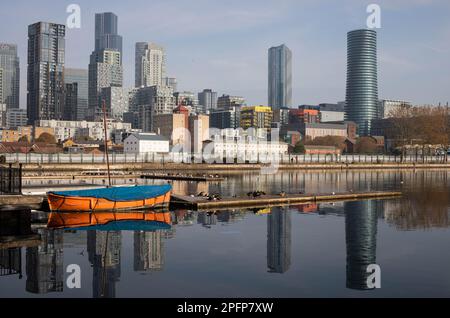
[(10, 180), (190, 158)]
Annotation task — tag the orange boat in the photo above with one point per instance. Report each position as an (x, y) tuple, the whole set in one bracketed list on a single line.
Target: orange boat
[(110, 199), (110, 221)]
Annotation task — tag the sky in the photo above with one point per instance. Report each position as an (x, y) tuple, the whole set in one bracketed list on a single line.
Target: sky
[(223, 44)]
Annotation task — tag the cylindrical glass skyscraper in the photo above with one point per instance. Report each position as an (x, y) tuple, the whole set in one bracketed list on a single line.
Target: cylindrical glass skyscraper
[(362, 79)]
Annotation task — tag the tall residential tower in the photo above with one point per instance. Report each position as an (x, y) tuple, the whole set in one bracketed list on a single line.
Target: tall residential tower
[(46, 51), (9, 63), (362, 80), (150, 66), (280, 77)]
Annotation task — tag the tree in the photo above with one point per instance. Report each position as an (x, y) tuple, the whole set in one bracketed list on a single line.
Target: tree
[(24, 139), (299, 148), (46, 138)]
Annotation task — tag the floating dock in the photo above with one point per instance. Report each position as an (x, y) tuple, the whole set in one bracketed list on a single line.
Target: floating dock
[(198, 203), (182, 178)]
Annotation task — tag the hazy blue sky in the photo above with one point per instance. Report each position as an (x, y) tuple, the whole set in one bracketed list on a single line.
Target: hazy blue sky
[(223, 44)]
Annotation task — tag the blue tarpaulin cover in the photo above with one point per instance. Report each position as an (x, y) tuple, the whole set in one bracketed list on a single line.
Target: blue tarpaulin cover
[(120, 194)]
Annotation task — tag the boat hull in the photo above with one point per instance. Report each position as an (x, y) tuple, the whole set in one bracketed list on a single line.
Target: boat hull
[(67, 203)]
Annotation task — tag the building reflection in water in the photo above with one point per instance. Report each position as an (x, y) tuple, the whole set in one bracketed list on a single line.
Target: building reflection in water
[(279, 240), (104, 249), (148, 251), (361, 220), (44, 264)]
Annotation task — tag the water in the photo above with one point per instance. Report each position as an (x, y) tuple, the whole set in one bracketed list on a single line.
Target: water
[(301, 251)]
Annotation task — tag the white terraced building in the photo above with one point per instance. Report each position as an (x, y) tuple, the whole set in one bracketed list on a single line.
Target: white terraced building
[(146, 143)]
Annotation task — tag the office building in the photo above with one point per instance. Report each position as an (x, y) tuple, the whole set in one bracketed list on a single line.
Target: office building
[(150, 68), (331, 112), (187, 99), (16, 117), (207, 100), (10, 69), (227, 101), (226, 118), (362, 80), (46, 53), (280, 77), (79, 81)]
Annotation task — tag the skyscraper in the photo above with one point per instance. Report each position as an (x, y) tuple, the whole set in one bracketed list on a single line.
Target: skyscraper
[(208, 100), (362, 79), (280, 77), (9, 63), (80, 77), (150, 68), (105, 70), (106, 32), (46, 53)]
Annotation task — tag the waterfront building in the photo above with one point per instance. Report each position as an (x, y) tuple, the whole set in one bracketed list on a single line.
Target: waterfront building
[(64, 130), (224, 118), (46, 54), (362, 80), (174, 127), (331, 113), (105, 70), (150, 64), (388, 106), (78, 81), (146, 143), (106, 33), (304, 115), (199, 130), (279, 240), (256, 117), (280, 77), (315, 130), (10, 73), (207, 100)]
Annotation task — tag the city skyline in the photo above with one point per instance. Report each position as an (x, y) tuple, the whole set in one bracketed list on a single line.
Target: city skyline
[(318, 46)]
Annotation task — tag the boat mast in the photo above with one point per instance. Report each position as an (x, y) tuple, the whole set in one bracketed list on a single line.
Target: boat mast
[(106, 142)]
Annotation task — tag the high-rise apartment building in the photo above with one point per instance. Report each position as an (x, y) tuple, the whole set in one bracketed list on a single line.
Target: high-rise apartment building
[(105, 70), (46, 54), (78, 79), (227, 101), (116, 101), (150, 69), (106, 32), (362, 80), (256, 117), (10, 66), (280, 77)]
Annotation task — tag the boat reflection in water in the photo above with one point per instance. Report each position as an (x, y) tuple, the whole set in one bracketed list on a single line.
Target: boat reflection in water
[(104, 241)]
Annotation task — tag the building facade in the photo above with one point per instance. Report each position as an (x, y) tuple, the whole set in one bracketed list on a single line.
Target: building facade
[(106, 32), (227, 101), (146, 143), (387, 107), (207, 100), (362, 80), (10, 68), (80, 77), (46, 56), (256, 117), (116, 101), (105, 70), (150, 68), (226, 118), (280, 77)]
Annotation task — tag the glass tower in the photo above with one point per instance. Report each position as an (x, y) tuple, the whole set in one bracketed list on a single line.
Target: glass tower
[(9, 63), (106, 32), (362, 80), (280, 77)]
